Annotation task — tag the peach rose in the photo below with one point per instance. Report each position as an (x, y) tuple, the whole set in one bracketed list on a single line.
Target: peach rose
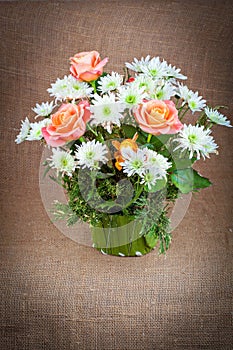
[(67, 124), (87, 66), (158, 117)]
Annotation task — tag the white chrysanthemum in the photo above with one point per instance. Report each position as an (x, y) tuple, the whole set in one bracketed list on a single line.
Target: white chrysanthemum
[(91, 154), (44, 109), (150, 178), (106, 111), (62, 161), (78, 89), (24, 131), (196, 103), (110, 82), (184, 92), (133, 161), (131, 95), (196, 140), (157, 162), (35, 131), (137, 66), (69, 88), (144, 82), (60, 89), (165, 92), (173, 72), (155, 68), (217, 117)]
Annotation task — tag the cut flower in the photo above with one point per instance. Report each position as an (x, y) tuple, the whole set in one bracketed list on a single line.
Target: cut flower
[(63, 161), (91, 155), (197, 141), (216, 117), (106, 111)]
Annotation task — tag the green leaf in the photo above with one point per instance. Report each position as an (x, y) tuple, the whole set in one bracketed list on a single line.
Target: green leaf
[(200, 181), (160, 184), (159, 141), (187, 180), (101, 175), (218, 107), (151, 239), (57, 179), (130, 131), (181, 163), (47, 169)]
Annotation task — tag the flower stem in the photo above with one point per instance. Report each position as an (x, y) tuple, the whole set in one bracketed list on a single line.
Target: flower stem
[(93, 84), (93, 131), (149, 138), (138, 192), (82, 139), (182, 116)]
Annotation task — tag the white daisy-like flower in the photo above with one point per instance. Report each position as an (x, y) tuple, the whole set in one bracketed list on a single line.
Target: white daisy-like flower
[(137, 66), (155, 68), (150, 178), (144, 82), (131, 96), (196, 103), (35, 132), (158, 162), (24, 131), (173, 72), (183, 92), (165, 91), (106, 111), (78, 89), (110, 82), (216, 117), (69, 88), (63, 161), (91, 154), (133, 161), (60, 89), (196, 140), (44, 109)]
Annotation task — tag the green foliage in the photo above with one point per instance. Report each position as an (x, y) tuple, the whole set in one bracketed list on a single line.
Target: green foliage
[(160, 231), (94, 196), (160, 184), (64, 212), (187, 180)]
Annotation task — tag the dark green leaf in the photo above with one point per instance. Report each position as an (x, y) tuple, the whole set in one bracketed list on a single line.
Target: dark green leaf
[(159, 141), (130, 131)]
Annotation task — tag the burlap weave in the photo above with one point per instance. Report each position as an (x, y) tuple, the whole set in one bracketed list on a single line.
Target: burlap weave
[(57, 294)]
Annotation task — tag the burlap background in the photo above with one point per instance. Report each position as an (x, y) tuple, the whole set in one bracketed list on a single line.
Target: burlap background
[(57, 294)]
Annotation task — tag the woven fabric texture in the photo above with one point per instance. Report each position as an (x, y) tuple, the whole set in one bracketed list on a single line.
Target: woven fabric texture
[(58, 294)]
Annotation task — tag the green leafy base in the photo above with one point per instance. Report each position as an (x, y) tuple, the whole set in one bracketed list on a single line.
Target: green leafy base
[(122, 236)]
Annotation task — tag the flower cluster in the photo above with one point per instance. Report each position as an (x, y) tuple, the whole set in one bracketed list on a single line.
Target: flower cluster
[(130, 125)]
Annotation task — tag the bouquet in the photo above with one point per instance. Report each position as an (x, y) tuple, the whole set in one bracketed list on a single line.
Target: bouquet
[(123, 148)]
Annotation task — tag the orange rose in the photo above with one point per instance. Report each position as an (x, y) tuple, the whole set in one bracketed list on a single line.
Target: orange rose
[(158, 117), (87, 66), (68, 123)]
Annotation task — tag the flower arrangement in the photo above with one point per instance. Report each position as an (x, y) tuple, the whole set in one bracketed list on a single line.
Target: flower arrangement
[(123, 148)]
